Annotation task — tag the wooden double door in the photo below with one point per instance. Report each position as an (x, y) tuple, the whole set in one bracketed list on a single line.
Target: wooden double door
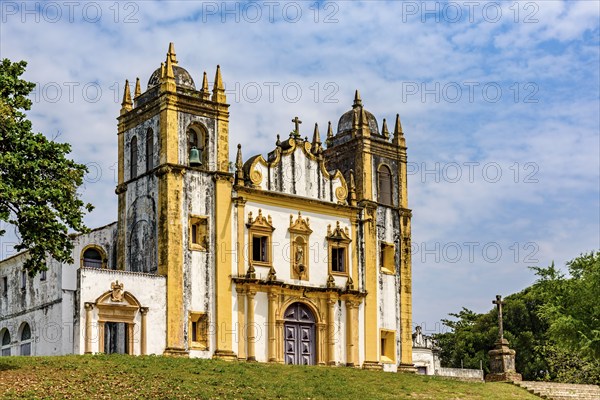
[(299, 335)]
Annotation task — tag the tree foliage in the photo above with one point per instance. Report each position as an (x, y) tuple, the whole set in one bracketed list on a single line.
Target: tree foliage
[(554, 326), (38, 183)]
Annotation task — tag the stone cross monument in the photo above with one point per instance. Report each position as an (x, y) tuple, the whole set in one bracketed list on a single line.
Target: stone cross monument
[(502, 358)]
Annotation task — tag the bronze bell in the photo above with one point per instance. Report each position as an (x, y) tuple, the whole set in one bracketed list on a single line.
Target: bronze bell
[(195, 157)]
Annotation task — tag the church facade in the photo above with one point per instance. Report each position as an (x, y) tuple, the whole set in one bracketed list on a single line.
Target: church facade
[(302, 257)]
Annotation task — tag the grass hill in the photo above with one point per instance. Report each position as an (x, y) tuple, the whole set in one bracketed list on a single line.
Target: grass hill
[(125, 377)]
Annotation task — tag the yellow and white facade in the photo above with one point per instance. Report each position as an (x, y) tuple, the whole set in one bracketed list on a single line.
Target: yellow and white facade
[(301, 257)]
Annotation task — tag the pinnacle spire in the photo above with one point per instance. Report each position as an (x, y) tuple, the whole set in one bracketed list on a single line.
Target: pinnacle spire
[(218, 95), (171, 53), (384, 130), (204, 90), (398, 134), (329, 139), (169, 74), (127, 104), (357, 100), (316, 141), (398, 127), (352, 189), (138, 89), (239, 166)]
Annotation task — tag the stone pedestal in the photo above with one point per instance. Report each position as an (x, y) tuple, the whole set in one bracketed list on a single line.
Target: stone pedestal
[(502, 364)]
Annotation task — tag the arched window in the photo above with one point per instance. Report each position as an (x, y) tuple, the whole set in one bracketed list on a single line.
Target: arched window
[(196, 139), (6, 343), (133, 159), (92, 258), (149, 149), (25, 340), (384, 188)]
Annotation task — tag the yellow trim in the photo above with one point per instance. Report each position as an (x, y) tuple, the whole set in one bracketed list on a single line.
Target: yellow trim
[(224, 294), (371, 310)]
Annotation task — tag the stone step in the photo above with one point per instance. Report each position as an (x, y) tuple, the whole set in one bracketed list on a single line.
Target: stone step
[(561, 391)]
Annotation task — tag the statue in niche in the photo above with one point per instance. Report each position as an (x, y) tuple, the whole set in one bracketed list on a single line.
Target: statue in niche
[(299, 258)]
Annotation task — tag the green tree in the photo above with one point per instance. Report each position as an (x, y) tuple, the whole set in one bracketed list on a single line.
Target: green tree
[(554, 326), (38, 183)]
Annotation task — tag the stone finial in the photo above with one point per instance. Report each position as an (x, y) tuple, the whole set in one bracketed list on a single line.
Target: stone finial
[(278, 142), (272, 276), (218, 95), (355, 122), (330, 282), (251, 273), (169, 73), (357, 99), (171, 54), (239, 167), (384, 130), (349, 284), (296, 131), (204, 91), (138, 88), (352, 190), (329, 140), (398, 134), (316, 141), (127, 104)]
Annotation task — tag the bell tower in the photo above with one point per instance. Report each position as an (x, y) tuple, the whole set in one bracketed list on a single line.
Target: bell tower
[(173, 148), (377, 163)]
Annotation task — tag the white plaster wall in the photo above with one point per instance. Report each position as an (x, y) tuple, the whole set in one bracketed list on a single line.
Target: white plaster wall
[(340, 332), (299, 175), (150, 290), (388, 305), (261, 310), (318, 256), (424, 358)]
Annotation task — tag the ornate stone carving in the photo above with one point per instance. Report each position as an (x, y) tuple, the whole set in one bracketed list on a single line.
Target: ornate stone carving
[(117, 292)]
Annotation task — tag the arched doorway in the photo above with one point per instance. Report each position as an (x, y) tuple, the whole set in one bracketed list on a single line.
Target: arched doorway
[(299, 335)]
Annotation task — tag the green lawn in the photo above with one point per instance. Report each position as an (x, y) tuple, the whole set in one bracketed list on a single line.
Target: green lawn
[(127, 377)]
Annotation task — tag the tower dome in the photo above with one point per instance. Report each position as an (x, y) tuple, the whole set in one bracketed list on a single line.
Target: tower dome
[(345, 122), (182, 77)]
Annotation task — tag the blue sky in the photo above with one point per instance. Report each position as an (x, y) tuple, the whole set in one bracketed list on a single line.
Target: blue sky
[(499, 103)]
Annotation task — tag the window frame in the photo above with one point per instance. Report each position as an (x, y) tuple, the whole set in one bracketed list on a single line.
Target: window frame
[(133, 157), (149, 149), (25, 343), (100, 250), (387, 346), (198, 333), (380, 185), (260, 227), (200, 223), (387, 258), (5, 348), (338, 239), (199, 132)]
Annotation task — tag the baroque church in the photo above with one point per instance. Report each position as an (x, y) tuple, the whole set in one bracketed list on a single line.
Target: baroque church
[(302, 257)]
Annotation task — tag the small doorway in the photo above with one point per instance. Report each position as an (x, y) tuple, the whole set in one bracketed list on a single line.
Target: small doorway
[(299, 335), (116, 338)]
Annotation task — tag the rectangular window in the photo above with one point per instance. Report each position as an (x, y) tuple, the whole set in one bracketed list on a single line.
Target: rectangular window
[(338, 259), (388, 346), (198, 233), (23, 279), (6, 352), (26, 349), (259, 248), (43, 275), (199, 330), (387, 258), (4, 286)]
